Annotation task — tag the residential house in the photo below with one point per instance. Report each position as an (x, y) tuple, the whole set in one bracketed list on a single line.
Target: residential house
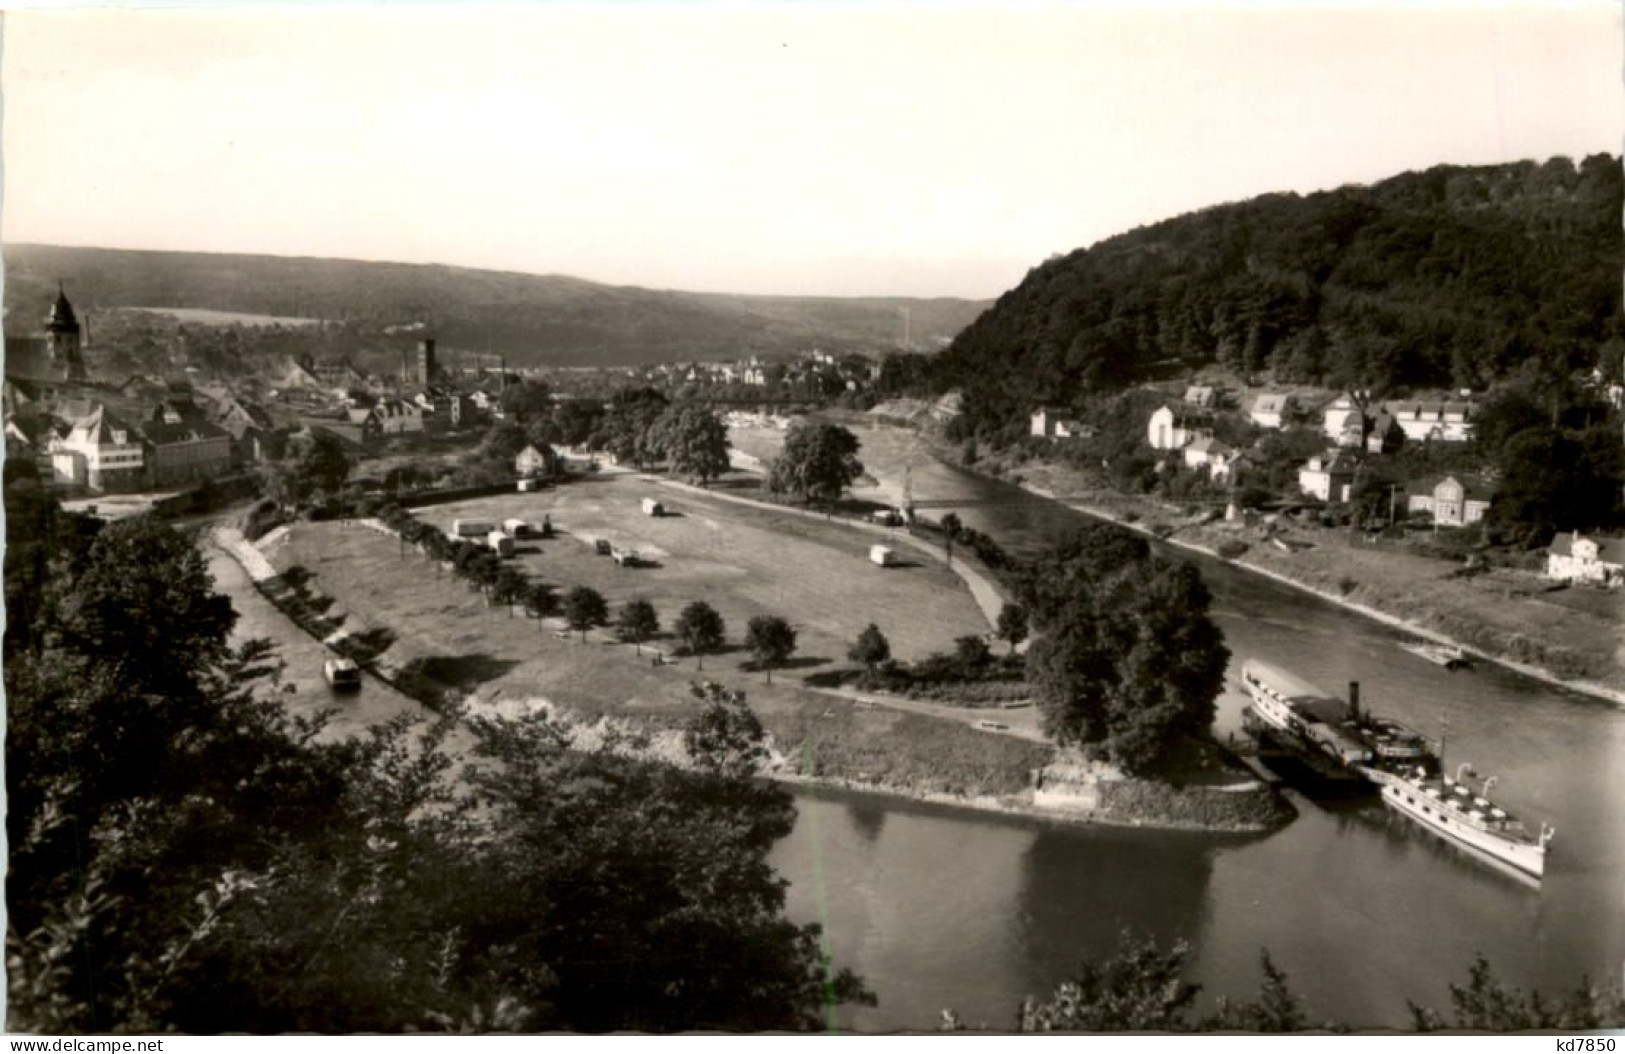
[(1445, 422), (1269, 409), (1048, 425), (536, 461), (389, 417), (1344, 422), (1174, 428), (100, 451), (1452, 501), (1211, 454), (1329, 477), (1202, 396), (185, 452), (255, 436), (1572, 557)]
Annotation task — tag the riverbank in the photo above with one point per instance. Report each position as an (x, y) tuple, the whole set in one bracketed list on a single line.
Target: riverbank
[(433, 636), (1569, 639), (1470, 619)]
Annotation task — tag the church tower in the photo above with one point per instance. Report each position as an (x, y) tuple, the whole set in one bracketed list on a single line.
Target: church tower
[(62, 339)]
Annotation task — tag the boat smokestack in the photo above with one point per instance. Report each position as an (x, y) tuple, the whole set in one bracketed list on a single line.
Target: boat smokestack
[(1354, 700)]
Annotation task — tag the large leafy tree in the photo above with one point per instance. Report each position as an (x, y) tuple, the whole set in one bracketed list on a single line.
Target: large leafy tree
[(316, 464), (629, 895), (584, 607), (817, 463), (142, 772), (771, 641), (1012, 625), (1554, 479), (701, 629), (871, 648), (1125, 661), (628, 430), (695, 442), (636, 622)]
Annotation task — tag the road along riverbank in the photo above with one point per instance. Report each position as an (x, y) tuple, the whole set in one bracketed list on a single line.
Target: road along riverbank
[(1505, 619)]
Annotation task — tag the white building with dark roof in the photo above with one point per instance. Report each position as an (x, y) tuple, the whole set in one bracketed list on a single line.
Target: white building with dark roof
[(101, 452), (1269, 409), (1174, 428), (1328, 477), (1452, 501), (1573, 557), (1448, 421)]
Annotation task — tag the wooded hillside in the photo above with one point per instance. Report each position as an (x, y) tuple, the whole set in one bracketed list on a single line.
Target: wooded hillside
[(1452, 277), (534, 320)]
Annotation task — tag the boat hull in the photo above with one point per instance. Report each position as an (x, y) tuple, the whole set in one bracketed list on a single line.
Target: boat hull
[(1299, 762), (1524, 856)]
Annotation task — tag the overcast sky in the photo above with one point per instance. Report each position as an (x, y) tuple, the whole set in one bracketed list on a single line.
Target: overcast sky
[(842, 148)]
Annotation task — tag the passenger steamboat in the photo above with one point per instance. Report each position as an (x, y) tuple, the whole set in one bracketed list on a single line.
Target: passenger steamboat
[(1452, 809), (1338, 742)]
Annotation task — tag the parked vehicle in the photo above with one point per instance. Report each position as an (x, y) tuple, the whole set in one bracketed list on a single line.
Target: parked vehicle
[(516, 528), (652, 507), (471, 528), (882, 556), (500, 542), (341, 672)]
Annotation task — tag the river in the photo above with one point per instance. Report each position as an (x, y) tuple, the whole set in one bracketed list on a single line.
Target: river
[(945, 908)]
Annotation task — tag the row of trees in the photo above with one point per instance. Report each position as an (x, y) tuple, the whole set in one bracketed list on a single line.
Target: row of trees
[(642, 428), (184, 855), (701, 629), (1140, 988)]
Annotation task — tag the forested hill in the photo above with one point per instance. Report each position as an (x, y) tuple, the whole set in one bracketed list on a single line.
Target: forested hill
[(532, 319), (1450, 277)]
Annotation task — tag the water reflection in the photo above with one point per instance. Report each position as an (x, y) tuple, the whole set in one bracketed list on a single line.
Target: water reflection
[(1082, 888), (867, 816)]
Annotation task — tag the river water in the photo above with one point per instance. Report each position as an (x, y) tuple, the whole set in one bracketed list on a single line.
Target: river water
[(946, 908)]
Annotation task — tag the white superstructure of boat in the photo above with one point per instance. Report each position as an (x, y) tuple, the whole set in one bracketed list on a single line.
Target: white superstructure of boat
[(1452, 809)]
